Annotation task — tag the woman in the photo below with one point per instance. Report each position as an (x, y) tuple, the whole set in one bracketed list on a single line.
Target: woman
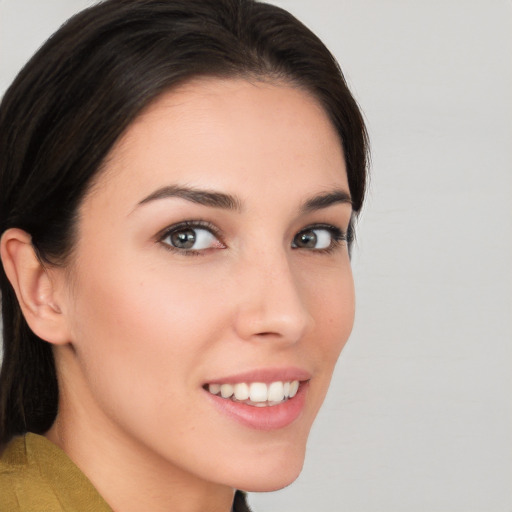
[(179, 183)]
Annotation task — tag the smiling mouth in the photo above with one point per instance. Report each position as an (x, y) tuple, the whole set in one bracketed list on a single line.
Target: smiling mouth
[(256, 394)]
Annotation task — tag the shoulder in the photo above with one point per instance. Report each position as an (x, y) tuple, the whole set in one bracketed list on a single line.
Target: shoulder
[(18, 478), (36, 476)]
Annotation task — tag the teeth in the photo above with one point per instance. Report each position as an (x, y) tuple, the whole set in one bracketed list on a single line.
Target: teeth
[(276, 392), (226, 390), (294, 387), (258, 394), (214, 389), (241, 391)]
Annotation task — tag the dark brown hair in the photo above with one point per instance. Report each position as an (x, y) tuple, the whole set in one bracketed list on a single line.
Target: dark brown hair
[(78, 94)]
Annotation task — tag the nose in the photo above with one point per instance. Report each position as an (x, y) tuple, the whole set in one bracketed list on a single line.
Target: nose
[(271, 304)]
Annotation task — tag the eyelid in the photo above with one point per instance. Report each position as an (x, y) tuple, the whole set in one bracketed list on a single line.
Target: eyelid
[(341, 233)]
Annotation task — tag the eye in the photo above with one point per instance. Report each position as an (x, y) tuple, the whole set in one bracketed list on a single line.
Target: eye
[(191, 238), (318, 238)]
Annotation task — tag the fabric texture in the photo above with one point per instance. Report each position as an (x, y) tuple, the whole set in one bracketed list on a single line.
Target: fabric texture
[(37, 476)]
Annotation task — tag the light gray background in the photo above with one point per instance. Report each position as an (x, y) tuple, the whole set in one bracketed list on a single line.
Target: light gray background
[(419, 416)]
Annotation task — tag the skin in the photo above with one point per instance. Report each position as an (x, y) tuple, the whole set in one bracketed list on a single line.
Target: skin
[(138, 328)]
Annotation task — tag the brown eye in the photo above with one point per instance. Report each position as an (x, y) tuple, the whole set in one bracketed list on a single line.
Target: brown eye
[(318, 238), (184, 239), (305, 240)]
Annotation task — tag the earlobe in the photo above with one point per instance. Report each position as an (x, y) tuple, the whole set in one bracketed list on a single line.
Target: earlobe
[(34, 286)]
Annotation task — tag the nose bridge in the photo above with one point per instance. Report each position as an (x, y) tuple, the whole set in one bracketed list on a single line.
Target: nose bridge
[(271, 300)]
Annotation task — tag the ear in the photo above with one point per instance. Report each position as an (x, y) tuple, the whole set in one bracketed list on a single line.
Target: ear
[(35, 287)]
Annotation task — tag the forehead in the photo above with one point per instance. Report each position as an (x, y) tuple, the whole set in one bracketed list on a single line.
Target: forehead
[(229, 134)]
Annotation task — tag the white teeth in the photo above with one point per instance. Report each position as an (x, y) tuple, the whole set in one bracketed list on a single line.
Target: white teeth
[(214, 389), (294, 387), (226, 390), (258, 394), (276, 392), (241, 391)]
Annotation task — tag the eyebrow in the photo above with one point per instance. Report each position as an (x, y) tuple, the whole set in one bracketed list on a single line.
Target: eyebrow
[(325, 200), (225, 201), (204, 197)]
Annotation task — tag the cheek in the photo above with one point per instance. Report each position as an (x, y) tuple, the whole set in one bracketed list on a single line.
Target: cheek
[(340, 317), (332, 303), (331, 299), (140, 335)]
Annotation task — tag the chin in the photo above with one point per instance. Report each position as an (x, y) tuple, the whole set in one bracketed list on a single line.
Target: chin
[(265, 474), (270, 483)]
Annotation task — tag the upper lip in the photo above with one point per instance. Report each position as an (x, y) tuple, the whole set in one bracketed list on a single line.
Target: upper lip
[(266, 375)]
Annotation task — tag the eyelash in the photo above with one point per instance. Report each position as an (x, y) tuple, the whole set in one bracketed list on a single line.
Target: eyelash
[(338, 236)]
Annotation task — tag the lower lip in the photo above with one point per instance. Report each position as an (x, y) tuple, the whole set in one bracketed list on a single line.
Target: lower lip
[(263, 418)]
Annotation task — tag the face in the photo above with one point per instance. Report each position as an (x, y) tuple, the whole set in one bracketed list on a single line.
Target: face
[(210, 291)]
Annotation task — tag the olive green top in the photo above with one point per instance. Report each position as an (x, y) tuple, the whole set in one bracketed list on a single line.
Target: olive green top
[(37, 476)]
